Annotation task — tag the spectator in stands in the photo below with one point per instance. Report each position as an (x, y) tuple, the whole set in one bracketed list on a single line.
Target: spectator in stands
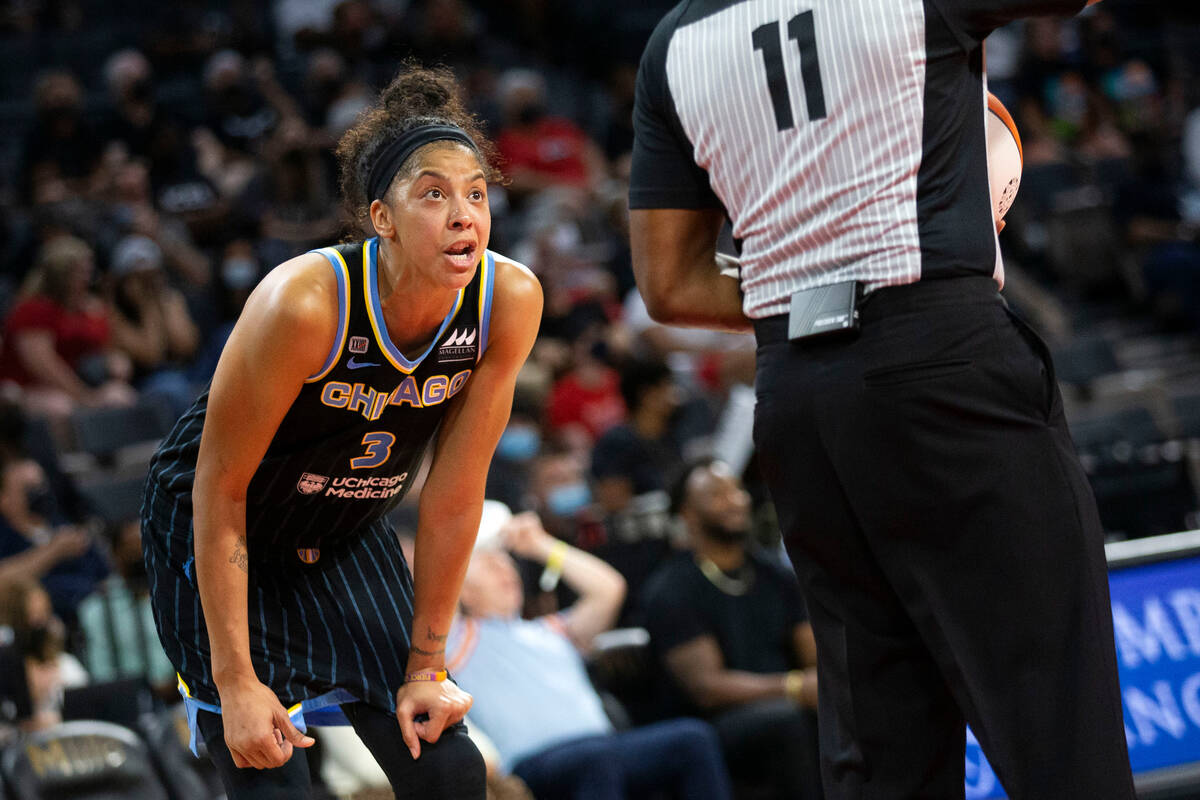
[(1148, 212), (732, 642), (540, 150), (155, 147), (560, 492), (151, 323), (60, 145), (586, 400), (57, 337), (532, 694), (639, 457), (131, 210), (24, 438), (65, 558), (238, 121), (292, 200), (715, 359), (28, 620), (118, 627), (509, 474), (137, 119)]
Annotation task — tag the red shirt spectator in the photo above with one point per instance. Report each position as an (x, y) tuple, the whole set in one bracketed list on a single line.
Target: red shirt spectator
[(587, 398), (554, 148), (538, 150), (76, 334)]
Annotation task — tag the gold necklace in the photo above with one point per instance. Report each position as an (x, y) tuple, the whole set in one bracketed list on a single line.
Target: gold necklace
[(717, 577)]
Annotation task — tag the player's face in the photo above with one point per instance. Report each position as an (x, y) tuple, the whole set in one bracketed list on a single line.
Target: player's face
[(441, 215)]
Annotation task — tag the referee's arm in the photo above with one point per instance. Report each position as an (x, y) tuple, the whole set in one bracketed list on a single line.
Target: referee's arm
[(674, 216), (674, 261)]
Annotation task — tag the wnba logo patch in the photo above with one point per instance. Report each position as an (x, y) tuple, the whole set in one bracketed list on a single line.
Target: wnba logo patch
[(311, 484), (358, 344), (308, 555)]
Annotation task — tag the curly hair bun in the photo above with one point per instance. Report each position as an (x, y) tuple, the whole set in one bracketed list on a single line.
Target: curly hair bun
[(416, 96), (422, 93)]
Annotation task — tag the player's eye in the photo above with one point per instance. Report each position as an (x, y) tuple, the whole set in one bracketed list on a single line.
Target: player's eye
[(434, 193)]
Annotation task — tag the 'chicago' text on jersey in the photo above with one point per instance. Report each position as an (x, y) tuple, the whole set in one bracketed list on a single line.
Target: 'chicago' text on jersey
[(371, 402)]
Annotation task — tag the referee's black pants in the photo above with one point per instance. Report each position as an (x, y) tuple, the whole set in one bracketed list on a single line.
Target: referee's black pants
[(949, 548)]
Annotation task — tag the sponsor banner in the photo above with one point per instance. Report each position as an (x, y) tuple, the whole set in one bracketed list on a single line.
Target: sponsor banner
[(1156, 621)]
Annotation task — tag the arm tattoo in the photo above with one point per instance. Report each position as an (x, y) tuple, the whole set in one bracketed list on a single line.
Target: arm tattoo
[(240, 556), (433, 637), (422, 652)]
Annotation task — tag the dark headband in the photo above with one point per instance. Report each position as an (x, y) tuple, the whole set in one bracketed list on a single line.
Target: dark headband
[(393, 156)]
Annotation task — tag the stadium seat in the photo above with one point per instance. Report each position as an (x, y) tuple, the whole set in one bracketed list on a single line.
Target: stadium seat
[(1135, 425), (1084, 359), (116, 496), (186, 777), (120, 702), (619, 667), (1187, 415), (82, 761), (105, 432)]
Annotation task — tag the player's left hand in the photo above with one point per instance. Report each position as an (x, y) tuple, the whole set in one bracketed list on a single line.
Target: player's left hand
[(442, 702)]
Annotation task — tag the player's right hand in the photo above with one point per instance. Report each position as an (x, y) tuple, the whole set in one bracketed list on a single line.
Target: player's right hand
[(258, 731)]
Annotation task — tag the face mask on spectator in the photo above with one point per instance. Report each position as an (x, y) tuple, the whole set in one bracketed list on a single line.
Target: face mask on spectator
[(565, 500), (140, 90), (41, 500), (518, 444), (531, 113), (239, 273), (723, 533)]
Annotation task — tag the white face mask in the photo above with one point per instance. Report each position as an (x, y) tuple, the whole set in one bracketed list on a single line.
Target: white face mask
[(238, 272)]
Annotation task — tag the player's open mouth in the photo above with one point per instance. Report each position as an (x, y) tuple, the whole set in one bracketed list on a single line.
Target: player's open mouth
[(461, 253)]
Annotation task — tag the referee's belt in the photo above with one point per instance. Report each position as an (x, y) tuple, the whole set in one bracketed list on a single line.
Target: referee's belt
[(907, 298)]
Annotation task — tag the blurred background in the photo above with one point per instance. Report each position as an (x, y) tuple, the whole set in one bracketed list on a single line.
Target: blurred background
[(156, 160)]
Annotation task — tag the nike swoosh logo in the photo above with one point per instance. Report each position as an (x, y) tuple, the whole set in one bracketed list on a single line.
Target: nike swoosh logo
[(352, 364)]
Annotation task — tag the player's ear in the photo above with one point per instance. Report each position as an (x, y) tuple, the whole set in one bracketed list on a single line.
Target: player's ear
[(381, 219)]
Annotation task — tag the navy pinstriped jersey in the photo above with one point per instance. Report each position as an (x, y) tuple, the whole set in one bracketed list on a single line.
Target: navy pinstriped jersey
[(844, 138), (329, 596), (353, 439)]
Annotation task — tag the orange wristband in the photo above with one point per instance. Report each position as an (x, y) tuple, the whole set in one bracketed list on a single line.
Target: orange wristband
[(434, 677)]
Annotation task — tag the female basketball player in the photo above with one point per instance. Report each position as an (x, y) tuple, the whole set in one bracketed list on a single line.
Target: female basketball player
[(279, 588)]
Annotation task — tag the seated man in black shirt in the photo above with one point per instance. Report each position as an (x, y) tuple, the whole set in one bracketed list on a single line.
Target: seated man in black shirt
[(729, 631)]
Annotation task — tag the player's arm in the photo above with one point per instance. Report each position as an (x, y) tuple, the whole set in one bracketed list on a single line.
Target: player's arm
[(452, 498), (282, 337), (675, 263)]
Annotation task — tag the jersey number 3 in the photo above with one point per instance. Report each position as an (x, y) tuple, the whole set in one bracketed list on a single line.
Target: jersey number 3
[(769, 40), (379, 449)]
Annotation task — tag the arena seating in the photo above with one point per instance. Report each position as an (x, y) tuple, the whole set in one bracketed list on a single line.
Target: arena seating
[(82, 761)]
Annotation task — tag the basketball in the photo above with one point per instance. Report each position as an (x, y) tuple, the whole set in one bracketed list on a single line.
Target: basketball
[(1004, 156)]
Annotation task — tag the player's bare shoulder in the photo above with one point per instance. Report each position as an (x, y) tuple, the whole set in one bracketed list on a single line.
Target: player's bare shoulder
[(516, 286), (516, 302), (293, 312)]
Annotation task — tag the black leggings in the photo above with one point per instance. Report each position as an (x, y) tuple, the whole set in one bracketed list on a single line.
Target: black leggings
[(451, 769)]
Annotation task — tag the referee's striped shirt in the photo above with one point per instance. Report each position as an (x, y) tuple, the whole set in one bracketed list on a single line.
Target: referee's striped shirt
[(844, 138)]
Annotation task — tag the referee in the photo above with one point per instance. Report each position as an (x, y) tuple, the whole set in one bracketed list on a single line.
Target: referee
[(914, 444)]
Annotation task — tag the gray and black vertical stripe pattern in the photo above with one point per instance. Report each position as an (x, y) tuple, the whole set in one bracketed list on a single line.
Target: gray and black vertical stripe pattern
[(844, 138)]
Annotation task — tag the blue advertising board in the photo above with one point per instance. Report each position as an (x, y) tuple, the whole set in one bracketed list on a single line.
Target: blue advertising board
[(1156, 621)]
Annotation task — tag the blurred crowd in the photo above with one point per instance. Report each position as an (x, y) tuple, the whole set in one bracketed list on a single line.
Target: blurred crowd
[(157, 162)]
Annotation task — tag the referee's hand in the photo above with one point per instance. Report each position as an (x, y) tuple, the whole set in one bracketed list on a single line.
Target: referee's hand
[(439, 704), (258, 731)]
